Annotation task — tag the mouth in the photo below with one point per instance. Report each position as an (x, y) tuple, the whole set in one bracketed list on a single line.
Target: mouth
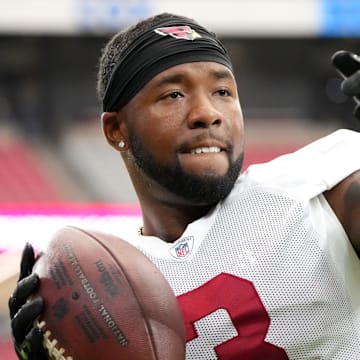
[(206, 157), (206, 150), (204, 146)]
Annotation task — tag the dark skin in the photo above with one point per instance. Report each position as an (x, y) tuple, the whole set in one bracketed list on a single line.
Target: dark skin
[(175, 109), (344, 199), (188, 106)]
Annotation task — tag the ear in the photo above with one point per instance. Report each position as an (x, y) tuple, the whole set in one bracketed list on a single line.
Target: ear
[(112, 129)]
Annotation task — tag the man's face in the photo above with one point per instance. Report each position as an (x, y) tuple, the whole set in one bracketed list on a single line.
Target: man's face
[(186, 131)]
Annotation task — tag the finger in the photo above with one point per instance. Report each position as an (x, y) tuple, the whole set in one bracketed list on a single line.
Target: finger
[(23, 290), (35, 340), (27, 261), (23, 320), (346, 63), (351, 85), (32, 346)]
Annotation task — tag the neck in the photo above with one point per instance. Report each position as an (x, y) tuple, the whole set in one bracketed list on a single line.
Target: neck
[(165, 215), (167, 221)]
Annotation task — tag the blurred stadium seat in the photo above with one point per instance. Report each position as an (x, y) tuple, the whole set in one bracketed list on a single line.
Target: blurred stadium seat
[(23, 177), (33, 172)]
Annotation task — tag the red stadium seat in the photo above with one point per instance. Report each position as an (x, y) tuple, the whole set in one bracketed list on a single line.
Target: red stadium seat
[(23, 177)]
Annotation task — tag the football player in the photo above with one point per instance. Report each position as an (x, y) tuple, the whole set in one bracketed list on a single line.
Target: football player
[(265, 263)]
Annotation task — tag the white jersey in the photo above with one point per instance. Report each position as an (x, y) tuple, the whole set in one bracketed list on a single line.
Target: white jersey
[(270, 273)]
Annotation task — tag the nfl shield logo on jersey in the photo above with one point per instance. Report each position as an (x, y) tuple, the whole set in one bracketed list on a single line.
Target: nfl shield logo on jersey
[(178, 32), (182, 248)]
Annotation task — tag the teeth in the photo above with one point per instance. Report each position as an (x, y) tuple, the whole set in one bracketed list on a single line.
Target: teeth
[(201, 150)]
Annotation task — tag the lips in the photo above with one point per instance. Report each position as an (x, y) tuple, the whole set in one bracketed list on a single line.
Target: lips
[(205, 150), (204, 146), (206, 156)]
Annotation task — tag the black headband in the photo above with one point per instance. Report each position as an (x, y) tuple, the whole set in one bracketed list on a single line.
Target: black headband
[(156, 50)]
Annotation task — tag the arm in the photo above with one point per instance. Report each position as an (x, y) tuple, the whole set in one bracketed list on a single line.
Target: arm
[(344, 199)]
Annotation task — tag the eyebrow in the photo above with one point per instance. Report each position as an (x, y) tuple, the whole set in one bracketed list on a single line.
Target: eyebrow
[(222, 74), (179, 78), (171, 79)]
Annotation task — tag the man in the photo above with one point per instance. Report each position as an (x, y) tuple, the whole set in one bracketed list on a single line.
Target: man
[(265, 264)]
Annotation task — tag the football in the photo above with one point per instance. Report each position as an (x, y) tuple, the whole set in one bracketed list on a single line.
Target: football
[(104, 299)]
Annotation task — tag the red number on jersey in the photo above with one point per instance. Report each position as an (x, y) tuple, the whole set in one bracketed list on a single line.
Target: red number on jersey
[(237, 298)]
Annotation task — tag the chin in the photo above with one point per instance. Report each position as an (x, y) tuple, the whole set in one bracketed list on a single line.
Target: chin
[(203, 189)]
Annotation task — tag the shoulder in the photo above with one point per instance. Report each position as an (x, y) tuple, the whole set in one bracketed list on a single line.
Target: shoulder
[(311, 170)]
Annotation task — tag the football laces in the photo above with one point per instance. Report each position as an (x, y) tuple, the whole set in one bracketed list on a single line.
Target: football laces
[(51, 344)]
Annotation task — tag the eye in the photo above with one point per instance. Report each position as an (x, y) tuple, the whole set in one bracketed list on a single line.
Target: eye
[(175, 95), (224, 92)]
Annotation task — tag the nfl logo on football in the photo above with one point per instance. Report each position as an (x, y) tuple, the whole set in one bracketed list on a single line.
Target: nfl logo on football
[(182, 248)]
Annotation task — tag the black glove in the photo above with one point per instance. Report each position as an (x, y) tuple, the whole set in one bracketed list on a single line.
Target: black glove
[(28, 339), (348, 65)]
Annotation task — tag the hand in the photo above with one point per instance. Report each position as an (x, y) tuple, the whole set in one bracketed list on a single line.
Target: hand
[(348, 65), (28, 339)]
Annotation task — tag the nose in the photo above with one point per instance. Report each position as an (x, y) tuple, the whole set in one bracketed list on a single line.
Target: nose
[(203, 113)]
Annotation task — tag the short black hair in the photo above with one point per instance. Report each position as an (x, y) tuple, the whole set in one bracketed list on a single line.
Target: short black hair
[(121, 41)]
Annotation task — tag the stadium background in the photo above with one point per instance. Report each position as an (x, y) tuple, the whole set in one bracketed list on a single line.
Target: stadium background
[(55, 167)]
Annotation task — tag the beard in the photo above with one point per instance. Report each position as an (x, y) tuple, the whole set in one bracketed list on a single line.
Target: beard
[(200, 189)]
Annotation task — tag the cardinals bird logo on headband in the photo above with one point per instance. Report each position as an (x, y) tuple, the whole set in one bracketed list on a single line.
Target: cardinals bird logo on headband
[(178, 32)]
